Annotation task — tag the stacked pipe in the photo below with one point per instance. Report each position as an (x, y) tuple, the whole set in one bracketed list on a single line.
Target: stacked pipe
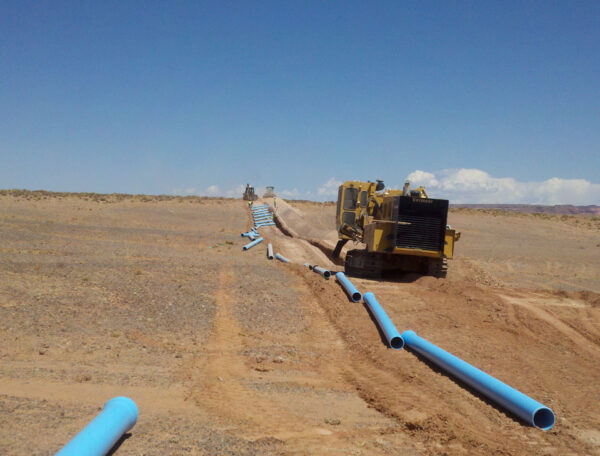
[(262, 216)]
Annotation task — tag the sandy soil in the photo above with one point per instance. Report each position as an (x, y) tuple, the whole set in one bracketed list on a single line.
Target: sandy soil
[(226, 352)]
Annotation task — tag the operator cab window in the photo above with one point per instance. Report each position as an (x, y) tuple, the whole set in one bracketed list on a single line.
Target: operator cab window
[(350, 197), (363, 198)]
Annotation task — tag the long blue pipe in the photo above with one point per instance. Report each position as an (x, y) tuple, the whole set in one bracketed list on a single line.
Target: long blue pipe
[(252, 244), (354, 294), (324, 272), (258, 225), (263, 217), (282, 258), (261, 213), (521, 405), (96, 439), (262, 209), (392, 335)]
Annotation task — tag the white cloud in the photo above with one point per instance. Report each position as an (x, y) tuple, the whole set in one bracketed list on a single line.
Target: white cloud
[(294, 193), (184, 191), (477, 186), (330, 188), (212, 190), (236, 192)]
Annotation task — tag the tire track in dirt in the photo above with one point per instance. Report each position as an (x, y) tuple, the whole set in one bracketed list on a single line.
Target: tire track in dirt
[(215, 373), (566, 330)]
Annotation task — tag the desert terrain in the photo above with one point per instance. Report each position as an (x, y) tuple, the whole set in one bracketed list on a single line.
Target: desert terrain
[(228, 353)]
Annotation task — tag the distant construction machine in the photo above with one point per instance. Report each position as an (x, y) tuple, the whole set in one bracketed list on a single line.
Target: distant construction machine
[(269, 192), (404, 230), (249, 194)]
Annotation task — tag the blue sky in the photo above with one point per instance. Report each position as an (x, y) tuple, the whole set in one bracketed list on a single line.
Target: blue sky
[(482, 101)]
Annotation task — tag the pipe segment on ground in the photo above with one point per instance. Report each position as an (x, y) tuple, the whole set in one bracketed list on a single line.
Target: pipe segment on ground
[(252, 244), (519, 404), (258, 225), (354, 294), (282, 258), (96, 439), (256, 208), (392, 335), (270, 251), (324, 272), (262, 209), (261, 213), (266, 217)]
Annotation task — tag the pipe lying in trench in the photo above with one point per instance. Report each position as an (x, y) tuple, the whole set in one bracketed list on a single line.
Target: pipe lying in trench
[(392, 335), (324, 272), (96, 439), (270, 251), (252, 244), (519, 404), (350, 289), (282, 258)]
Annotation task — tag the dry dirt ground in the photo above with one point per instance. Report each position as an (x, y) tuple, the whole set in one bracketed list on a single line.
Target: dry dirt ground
[(227, 353)]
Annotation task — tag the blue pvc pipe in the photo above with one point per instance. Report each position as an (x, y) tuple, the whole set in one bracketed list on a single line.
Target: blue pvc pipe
[(263, 217), (392, 335), (252, 244), (354, 294), (265, 214), (282, 258), (324, 272), (270, 251), (521, 405), (96, 439), (258, 225), (264, 209)]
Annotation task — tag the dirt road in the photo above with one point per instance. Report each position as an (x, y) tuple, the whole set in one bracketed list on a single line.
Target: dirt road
[(226, 352)]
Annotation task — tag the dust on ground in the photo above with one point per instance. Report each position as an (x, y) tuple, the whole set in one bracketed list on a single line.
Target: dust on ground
[(226, 352)]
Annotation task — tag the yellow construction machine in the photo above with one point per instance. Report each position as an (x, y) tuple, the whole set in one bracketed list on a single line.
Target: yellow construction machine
[(249, 194), (403, 230)]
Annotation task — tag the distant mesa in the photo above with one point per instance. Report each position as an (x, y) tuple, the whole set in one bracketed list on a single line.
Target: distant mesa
[(560, 209)]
